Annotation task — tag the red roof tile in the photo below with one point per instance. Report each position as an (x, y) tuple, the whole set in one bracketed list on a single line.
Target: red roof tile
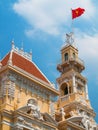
[(5, 60), (25, 65)]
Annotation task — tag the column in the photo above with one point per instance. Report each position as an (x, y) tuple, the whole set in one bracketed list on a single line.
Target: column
[(73, 82), (86, 91)]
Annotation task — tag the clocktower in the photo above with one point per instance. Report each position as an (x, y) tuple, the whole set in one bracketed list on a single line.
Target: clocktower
[(75, 111)]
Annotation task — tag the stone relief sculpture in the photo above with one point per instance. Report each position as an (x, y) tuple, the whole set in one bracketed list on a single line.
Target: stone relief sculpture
[(87, 123), (34, 109), (62, 113), (52, 109)]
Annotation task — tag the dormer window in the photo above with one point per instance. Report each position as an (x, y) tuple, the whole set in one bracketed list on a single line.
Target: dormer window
[(66, 56)]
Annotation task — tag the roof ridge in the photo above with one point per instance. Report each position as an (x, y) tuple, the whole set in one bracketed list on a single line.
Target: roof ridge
[(10, 58), (4, 56), (21, 52)]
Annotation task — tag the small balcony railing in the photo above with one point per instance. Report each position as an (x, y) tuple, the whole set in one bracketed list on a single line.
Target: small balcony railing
[(70, 97), (78, 60)]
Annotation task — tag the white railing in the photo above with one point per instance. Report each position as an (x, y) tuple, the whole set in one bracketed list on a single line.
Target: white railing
[(74, 59)]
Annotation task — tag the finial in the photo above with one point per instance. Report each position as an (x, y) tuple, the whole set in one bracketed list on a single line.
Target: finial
[(69, 38), (13, 44), (22, 46), (31, 52)]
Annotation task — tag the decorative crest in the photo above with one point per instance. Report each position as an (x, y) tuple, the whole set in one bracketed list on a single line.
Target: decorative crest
[(69, 38)]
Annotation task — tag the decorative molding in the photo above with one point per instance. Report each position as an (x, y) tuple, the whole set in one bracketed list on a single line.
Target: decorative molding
[(29, 86), (62, 113), (22, 53), (33, 109), (11, 89), (52, 109)]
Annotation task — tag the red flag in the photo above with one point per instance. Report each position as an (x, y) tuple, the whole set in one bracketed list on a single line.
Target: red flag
[(77, 12)]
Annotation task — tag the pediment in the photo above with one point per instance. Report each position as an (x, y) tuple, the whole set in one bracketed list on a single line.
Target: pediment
[(48, 118), (43, 116), (75, 118), (77, 121)]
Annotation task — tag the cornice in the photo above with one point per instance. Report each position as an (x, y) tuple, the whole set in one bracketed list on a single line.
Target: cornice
[(69, 123), (31, 77), (79, 105), (26, 116)]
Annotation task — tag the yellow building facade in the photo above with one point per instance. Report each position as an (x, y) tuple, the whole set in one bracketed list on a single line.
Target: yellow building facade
[(28, 98)]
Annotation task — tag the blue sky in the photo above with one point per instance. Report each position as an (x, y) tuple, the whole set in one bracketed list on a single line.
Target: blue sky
[(41, 25)]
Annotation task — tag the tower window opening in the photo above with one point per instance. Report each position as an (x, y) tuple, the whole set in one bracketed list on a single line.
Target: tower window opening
[(66, 90), (74, 55), (66, 56)]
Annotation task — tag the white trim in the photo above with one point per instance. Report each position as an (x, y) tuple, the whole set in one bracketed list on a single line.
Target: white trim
[(41, 72), (7, 123), (45, 84), (86, 89)]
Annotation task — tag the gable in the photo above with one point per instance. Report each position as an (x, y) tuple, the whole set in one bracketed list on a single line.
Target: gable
[(24, 64)]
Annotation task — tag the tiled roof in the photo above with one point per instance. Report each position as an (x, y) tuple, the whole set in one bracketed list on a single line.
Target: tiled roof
[(25, 65), (5, 60)]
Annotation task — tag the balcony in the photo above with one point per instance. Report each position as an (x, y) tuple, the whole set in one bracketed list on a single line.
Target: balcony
[(75, 61), (71, 59), (70, 98)]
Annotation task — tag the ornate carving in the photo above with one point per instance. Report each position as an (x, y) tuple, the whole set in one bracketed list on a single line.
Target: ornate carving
[(62, 113), (52, 109), (11, 89), (17, 127), (69, 38), (34, 109), (87, 121), (22, 53)]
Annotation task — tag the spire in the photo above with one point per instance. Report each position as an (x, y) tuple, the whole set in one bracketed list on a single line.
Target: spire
[(22, 46), (10, 58), (30, 53), (13, 46)]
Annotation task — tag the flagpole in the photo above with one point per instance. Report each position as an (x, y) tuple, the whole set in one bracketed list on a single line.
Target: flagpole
[(72, 23), (72, 26)]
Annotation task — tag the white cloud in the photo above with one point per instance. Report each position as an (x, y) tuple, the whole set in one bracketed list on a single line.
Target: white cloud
[(50, 15), (88, 46)]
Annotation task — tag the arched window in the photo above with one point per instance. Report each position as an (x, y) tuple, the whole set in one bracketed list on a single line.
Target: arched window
[(66, 90), (66, 56)]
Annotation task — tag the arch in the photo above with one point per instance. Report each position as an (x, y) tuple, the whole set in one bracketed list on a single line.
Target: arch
[(66, 56)]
